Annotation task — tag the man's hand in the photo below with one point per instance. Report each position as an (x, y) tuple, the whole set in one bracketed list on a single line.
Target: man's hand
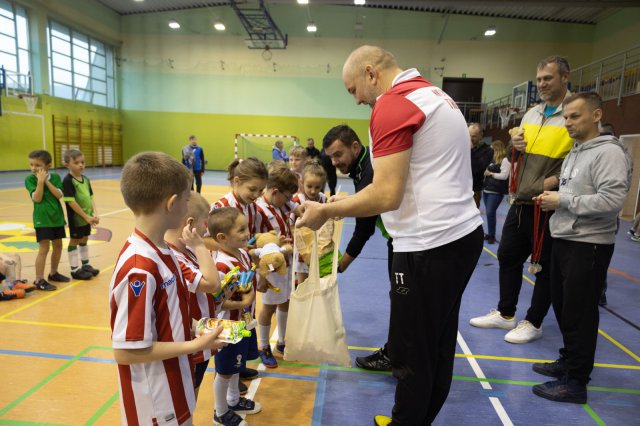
[(313, 216), (336, 197), (549, 200), (517, 139)]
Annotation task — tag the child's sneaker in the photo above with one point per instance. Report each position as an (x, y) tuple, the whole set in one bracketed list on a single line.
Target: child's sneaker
[(81, 274), (44, 285), (23, 285), (19, 294), (280, 347), (246, 406), (93, 271), (6, 296), (58, 277), (230, 418), (635, 238), (267, 357), (242, 388)]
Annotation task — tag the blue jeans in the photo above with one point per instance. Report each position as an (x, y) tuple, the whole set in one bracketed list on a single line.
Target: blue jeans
[(491, 203)]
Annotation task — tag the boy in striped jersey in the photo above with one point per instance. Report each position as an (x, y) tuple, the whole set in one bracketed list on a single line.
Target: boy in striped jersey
[(150, 322), (275, 211), (228, 227), (198, 270)]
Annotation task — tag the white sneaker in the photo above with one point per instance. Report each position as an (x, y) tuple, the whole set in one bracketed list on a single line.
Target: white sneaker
[(493, 320), (525, 332)]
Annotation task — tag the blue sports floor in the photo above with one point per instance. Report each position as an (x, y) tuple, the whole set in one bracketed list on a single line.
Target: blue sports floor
[(492, 378)]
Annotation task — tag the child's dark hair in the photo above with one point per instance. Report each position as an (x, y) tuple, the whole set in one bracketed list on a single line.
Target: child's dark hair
[(71, 154), (283, 179), (148, 178), (42, 155), (314, 168), (244, 170), (221, 220)]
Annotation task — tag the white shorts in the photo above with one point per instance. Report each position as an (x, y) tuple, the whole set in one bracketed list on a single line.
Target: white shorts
[(284, 283)]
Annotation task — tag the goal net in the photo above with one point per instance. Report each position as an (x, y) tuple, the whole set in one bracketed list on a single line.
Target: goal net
[(260, 146)]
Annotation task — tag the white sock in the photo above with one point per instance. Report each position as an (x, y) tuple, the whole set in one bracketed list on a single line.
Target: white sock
[(281, 317), (74, 257), (263, 335), (220, 389), (233, 394), (84, 253)]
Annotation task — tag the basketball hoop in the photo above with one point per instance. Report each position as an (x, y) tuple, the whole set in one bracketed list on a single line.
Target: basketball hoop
[(30, 101), (505, 116)]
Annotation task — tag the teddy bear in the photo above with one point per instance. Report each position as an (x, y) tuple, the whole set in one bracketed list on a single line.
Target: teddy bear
[(272, 255)]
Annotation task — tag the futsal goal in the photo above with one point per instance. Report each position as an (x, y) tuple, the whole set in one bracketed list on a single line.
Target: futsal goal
[(260, 146)]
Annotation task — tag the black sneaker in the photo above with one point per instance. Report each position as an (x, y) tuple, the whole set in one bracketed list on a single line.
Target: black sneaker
[(93, 271), (58, 277), (557, 368), (242, 388), (377, 361), (43, 285), (81, 274), (7, 296), (246, 406), (562, 390), (280, 347), (228, 419), (248, 374)]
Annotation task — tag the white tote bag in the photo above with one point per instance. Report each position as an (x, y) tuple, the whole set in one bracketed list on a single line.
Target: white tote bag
[(315, 331)]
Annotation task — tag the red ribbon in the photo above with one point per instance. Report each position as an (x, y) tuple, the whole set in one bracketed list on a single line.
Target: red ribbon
[(514, 171), (538, 234)]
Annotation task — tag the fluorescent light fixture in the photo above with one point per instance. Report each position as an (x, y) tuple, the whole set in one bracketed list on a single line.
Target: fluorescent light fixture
[(173, 24), (311, 27), (490, 31), (303, 1), (219, 26), (359, 2)]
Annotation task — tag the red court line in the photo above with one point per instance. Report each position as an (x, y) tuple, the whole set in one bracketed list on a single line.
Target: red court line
[(624, 274)]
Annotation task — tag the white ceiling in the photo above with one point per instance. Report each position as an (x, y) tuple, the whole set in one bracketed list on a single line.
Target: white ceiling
[(575, 11)]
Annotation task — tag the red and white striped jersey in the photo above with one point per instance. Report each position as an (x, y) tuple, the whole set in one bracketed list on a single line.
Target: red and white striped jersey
[(249, 210), (201, 304), (273, 218), (149, 303), (225, 262), (300, 198)]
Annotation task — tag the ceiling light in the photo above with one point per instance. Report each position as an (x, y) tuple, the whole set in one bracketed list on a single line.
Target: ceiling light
[(219, 26), (173, 24), (303, 1), (490, 32), (311, 27), (359, 2)]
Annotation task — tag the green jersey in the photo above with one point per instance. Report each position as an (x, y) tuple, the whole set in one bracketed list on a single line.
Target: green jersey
[(79, 191), (48, 212)]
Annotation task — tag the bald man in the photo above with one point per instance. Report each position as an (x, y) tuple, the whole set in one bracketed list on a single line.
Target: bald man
[(422, 188)]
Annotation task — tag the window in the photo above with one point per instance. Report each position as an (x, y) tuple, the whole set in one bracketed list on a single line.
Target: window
[(14, 45), (81, 67)]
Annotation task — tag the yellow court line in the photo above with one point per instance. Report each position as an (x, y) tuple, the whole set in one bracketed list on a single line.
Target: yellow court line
[(605, 335), (57, 324), (53, 294), (532, 360)]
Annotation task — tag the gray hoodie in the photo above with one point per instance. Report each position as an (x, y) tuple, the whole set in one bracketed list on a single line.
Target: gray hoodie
[(594, 181)]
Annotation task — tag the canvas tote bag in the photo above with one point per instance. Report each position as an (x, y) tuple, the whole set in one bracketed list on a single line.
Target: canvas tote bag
[(315, 331)]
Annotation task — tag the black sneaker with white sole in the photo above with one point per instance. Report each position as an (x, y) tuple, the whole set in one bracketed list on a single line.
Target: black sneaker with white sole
[(246, 406), (230, 418), (377, 361)]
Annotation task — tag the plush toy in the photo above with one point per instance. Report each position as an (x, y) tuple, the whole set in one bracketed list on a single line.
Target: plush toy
[(272, 254)]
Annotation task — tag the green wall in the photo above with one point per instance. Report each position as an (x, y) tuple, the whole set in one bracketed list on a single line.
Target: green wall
[(168, 131)]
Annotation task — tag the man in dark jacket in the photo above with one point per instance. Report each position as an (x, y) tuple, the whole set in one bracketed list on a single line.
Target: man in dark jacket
[(481, 156)]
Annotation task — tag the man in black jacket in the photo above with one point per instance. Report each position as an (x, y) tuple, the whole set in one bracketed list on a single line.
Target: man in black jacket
[(342, 145), (481, 156)]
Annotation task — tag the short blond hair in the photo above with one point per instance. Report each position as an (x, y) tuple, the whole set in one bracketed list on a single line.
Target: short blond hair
[(71, 154), (149, 178), (298, 152), (197, 205)]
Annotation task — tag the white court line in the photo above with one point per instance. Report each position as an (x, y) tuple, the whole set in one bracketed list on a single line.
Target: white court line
[(255, 383), (497, 405), (114, 212)]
